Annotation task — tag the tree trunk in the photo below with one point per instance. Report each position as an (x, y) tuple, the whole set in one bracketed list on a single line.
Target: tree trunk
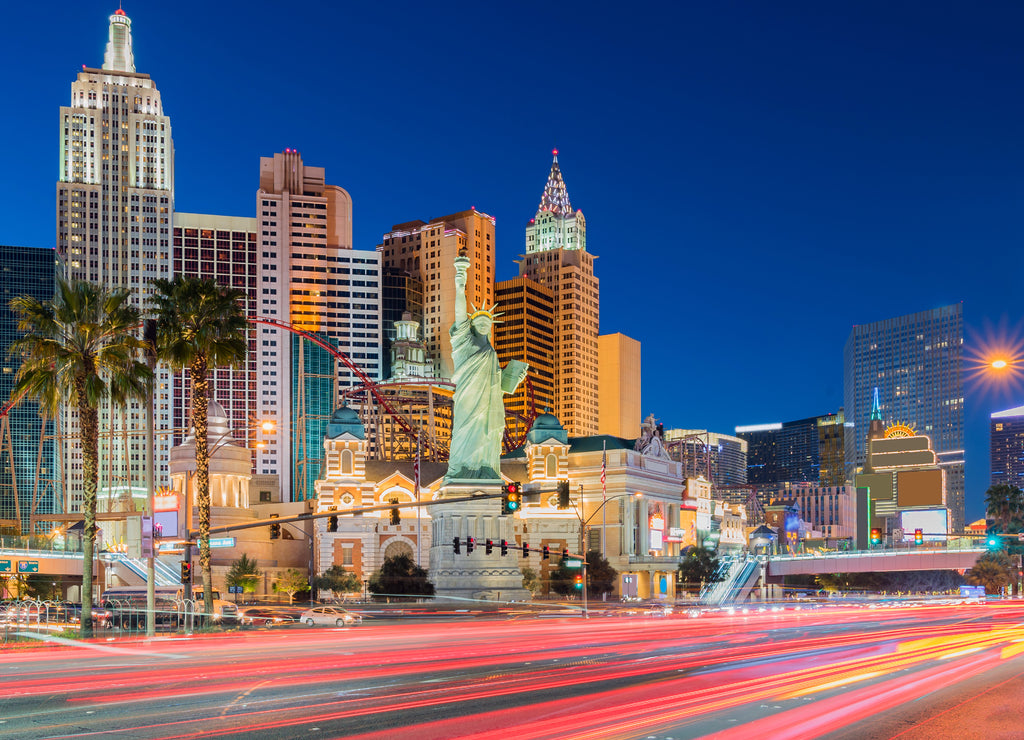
[(200, 396), (88, 423)]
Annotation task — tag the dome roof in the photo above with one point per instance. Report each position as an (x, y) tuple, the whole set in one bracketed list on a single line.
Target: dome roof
[(547, 421), (545, 427), (214, 409), (345, 419)]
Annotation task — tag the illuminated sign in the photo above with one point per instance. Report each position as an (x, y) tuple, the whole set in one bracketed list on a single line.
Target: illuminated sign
[(222, 542), (165, 502)]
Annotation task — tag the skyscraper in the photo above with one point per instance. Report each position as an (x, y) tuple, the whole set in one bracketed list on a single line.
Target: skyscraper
[(557, 258), (806, 450), (427, 251), (309, 276), (527, 333), (1006, 446), (24, 437), (914, 361), (115, 205), (224, 249), (619, 377)]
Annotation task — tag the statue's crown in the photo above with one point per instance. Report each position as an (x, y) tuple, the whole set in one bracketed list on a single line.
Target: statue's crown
[(484, 310)]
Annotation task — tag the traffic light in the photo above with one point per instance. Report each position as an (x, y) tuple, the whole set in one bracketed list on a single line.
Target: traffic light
[(186, 573), (579, 581), (563, 494), (470, 544), (876, 536), (526, 550), (332, 524), (918, 536), (565, 554), (275, 529), (488, 547), (511, 498), (455, 542), (545, 553), (504, 548), (396, 518)]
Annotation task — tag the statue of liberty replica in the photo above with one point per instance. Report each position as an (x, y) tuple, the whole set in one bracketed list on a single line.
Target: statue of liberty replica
[(478, 421)]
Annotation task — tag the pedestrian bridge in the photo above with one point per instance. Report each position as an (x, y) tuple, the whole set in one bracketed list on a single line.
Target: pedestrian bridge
[(129, 571), (872, 561)]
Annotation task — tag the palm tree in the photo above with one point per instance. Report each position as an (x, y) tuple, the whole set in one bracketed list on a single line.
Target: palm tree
[(80, 349), (1004, 503), (994, 570), (200, 325)]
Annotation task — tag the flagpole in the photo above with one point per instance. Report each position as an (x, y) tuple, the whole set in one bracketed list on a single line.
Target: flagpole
[(416, 498), (604, 496)]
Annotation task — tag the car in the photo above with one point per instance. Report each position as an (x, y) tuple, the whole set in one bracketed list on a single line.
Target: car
[(264, 616), (333, 616)]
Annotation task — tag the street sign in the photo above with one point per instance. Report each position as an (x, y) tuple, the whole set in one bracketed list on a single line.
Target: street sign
[(1020, 537), (573, 563), (28, 566), (5, 566), (222, 542), (234, 589)]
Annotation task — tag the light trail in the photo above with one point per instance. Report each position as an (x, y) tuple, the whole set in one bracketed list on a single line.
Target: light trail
[(606, 678)]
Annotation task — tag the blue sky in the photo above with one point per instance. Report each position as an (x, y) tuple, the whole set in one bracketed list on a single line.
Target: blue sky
[(757, 177)]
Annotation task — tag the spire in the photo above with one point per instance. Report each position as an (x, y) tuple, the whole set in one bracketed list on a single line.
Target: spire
[(556, 197), (118, 57), (876, 408)]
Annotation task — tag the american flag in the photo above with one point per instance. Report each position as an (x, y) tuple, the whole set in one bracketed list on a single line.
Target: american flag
[(416, 473), (604, 469)]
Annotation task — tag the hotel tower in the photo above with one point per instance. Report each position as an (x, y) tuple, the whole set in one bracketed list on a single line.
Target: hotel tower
[(557, 258), (115, 204)]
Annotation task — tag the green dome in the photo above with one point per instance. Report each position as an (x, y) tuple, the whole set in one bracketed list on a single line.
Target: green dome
[(345, 419), (545, 427)]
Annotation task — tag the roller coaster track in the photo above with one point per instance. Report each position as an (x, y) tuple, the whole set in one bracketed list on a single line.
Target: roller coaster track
[(363, 378)]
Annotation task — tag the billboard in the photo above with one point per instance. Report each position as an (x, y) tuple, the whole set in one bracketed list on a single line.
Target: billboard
[(919, 488), (879, 483), (933, 522)]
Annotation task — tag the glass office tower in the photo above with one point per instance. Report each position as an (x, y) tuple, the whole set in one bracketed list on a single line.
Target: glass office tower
[(23, 271), (915, 362)]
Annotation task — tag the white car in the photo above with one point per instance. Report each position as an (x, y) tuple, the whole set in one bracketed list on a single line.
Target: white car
[(331, 616)]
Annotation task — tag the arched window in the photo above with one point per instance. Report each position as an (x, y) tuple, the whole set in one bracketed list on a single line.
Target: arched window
[(346, 462), (551, 466)]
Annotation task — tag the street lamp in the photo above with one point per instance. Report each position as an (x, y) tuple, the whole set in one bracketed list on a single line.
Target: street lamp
[(583, 529)]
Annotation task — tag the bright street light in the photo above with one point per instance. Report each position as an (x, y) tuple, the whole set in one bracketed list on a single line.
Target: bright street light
[(999, 363)]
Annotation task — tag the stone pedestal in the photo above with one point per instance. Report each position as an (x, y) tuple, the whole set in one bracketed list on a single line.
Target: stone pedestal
[(477, 576)]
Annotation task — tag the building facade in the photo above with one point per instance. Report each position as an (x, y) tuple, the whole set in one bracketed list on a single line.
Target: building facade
[(638, 530), (25, 438), (1006, 447), (427, 251), (915, 363), (527, 333), (619, 385), (224, 249), (808, 450), (557, 258), (309, 277), (721, 458), (115, 207)]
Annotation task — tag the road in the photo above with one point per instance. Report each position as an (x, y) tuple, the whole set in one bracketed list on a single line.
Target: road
[(925, 671)]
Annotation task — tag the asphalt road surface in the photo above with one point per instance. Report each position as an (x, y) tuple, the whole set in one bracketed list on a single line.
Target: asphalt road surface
[(928, 671)]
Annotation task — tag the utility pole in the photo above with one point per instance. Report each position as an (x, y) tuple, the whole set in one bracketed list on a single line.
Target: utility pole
[(149, 336)]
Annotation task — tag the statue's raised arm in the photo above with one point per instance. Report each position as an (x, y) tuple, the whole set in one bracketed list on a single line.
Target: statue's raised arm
[(480, 384)]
